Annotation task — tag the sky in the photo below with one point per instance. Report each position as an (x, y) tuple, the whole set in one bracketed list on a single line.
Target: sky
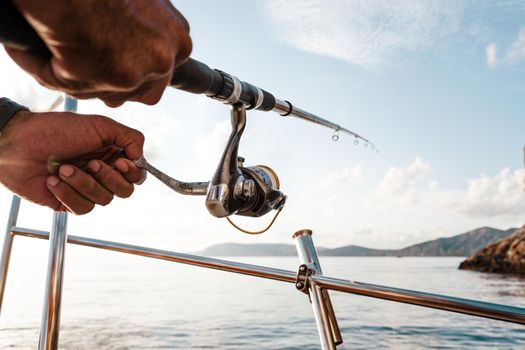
[(438, 86)]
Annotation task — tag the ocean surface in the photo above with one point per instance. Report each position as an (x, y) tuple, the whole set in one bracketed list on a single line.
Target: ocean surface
[(115, 301)]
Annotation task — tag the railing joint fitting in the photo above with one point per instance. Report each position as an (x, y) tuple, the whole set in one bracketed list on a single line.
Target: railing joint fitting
[(302, 281)]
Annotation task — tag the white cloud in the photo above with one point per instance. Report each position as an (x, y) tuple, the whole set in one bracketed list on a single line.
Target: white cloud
[(361, 32), (484, 197), (407, 205), (433, 185), (516, 52), (401, 185), (500, 195), (491, 52), (343, 177)]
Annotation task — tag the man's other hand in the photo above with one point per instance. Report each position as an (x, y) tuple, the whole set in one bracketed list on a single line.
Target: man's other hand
[(114, 50), (69, 162)]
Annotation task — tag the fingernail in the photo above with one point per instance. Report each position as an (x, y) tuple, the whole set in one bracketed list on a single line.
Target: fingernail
[(52, 181), (94, 166), (66, 170), (122, 166)]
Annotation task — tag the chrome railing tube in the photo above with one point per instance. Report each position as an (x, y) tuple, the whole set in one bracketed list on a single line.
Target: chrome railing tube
[(49, 328), (322, 320), (500, 312), (212, 263), (50, 324), (436, 301), (308, 256), (8, 244)]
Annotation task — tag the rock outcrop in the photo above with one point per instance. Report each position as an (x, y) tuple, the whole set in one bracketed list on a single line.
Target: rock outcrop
[(504, 256)]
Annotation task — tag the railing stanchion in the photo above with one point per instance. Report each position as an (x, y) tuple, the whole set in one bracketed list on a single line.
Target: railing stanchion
[(324, 313), (50, 324), (8, 243), (49, 328)]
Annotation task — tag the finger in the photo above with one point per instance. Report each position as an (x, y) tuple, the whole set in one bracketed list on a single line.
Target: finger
[(117, 99), (149, 92), (111, 179), (61, 207), (90, 95), (70, 198), (130, 171), (153, 94), (85, 185)]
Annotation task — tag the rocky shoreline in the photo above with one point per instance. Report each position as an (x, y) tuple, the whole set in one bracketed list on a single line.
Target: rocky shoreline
[(504, 256)]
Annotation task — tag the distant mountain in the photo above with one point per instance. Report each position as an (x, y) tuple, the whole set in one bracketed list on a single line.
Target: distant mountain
[(464, 244)]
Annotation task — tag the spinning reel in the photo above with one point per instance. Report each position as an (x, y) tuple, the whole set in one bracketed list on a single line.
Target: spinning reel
[(234, 189)]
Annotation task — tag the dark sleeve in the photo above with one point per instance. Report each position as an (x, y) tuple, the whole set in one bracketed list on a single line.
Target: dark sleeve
[(8, 109)]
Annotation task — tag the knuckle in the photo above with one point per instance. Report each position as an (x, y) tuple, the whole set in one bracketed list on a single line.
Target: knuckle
[(104, 176), (140, 136), (186, 24), (127, 76), (89, 187), (137, 136), (150, 100), (185, 50), (163, 60)]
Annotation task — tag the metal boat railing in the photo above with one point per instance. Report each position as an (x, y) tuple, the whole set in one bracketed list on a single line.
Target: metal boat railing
[(308, 279)]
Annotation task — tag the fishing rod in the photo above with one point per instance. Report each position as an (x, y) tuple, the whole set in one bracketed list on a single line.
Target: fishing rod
[(192, 76), (234, 189)]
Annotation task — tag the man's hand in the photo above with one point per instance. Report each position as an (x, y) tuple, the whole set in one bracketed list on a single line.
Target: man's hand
[(114, 50), (56, 159)]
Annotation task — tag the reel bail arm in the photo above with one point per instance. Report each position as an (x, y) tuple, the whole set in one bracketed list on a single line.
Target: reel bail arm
[(235, 189)]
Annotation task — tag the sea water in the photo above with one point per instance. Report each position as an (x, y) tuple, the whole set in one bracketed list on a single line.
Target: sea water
[(116, 301)]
